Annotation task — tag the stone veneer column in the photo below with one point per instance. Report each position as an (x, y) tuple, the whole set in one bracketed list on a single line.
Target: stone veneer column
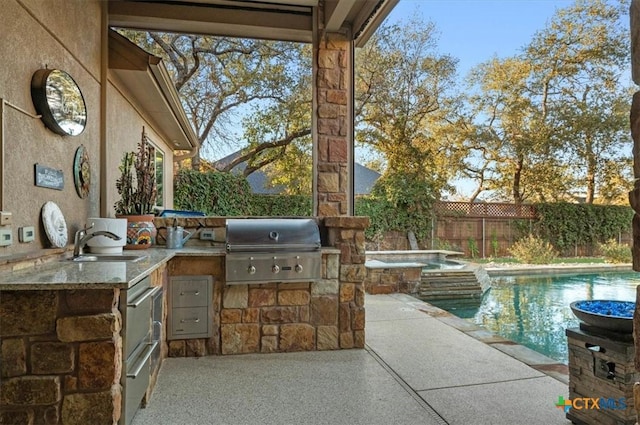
[(634, 195), (333, 63), (347, 234)]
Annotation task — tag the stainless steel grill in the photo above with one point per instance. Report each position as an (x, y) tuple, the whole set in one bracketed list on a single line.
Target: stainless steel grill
[(264, 250)]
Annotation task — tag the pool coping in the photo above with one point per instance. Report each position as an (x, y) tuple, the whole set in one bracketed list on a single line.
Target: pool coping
[(526, 355), (530, 357), (524, 269)]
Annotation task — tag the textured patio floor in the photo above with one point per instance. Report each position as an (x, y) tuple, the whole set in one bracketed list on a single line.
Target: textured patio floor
[(421, 366)]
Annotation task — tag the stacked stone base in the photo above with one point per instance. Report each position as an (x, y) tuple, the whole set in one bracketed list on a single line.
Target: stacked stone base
[(61, 352), (590, 359)]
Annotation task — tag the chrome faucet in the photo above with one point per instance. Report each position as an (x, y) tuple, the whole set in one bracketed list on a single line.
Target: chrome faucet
[(82, 237)]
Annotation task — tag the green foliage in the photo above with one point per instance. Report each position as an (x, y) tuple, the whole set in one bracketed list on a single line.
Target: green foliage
[(403, 98), (566, 225), (443, 245), (400, 201), (281, 205), (614, 252), (532, 250), (495, 246), (473, 247), (213, 193), (553, 120), (226, 194)]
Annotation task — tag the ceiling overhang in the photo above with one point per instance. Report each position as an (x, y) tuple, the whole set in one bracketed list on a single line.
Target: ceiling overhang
[(145, 77), (287, 20)]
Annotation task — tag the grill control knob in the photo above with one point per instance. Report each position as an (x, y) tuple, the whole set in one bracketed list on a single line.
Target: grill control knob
[(275, 268), (251, 269), (298, 268)]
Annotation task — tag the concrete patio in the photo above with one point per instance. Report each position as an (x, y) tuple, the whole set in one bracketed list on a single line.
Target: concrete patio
[(421, 365)]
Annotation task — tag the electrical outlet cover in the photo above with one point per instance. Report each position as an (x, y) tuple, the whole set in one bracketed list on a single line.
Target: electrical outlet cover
[(6, 237), (26, 234)]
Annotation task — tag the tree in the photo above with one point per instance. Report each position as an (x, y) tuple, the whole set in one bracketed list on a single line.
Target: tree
[(548, 120), (278, 134), (505, 125), (218, 78), (403, 92), (578, 61)]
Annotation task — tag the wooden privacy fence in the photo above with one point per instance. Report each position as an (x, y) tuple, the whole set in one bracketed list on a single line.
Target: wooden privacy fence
[(482, 230), (479, 229), (487, 210)]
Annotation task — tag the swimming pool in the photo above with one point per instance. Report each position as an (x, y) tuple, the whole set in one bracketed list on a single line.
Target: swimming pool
[(441, 264), (534, 310)]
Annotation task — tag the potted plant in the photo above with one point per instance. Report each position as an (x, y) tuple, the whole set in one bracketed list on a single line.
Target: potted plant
[(137, 189)]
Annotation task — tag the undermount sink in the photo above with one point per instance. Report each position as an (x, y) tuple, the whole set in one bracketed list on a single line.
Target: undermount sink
[(102, 258)]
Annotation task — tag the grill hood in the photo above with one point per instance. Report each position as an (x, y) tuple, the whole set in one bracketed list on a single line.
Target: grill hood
[(272, 234)]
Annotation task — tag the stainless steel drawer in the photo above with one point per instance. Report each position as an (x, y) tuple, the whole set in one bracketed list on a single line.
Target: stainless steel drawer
[(137, 381), (189, 292), (192, 322), (137, 320)]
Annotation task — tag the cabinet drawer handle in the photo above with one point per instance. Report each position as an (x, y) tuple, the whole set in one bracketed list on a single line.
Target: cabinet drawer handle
[(196, 320), (145, 296), (142, 361), (190, 292)]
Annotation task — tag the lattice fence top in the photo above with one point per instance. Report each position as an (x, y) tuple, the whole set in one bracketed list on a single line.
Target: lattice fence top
[(484, 209)]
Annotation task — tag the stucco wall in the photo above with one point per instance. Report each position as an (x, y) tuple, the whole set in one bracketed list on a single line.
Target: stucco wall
[(65, 35)]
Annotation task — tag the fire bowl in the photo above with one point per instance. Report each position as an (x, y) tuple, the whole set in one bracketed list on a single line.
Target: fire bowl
[(616, 316)]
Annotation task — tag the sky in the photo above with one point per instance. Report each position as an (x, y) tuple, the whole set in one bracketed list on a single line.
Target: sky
[(474, 31)]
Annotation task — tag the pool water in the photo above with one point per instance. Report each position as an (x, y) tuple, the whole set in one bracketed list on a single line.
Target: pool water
[(442, 264), (534, 310)]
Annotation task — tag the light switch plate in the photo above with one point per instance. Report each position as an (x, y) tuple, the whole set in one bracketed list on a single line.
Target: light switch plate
[(6, 237), (26, 234)]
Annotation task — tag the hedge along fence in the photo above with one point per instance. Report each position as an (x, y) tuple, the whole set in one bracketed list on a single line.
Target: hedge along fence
[(226, 194), (213, 193), (573, 229), (481, 229), (570, 227)]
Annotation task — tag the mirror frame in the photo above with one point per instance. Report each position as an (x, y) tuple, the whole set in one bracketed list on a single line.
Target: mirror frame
[(61, 106)]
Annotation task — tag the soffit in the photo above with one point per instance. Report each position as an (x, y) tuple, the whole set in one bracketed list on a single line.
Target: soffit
[(147, 80), (287, 20)]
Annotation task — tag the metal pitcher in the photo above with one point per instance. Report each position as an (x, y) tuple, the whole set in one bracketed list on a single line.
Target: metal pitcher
[(176, 237)]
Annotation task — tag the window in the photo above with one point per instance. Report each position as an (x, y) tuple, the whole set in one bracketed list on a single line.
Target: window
[(158, 156)]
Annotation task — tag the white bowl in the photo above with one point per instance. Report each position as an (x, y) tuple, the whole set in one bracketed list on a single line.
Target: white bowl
[(102, 244)]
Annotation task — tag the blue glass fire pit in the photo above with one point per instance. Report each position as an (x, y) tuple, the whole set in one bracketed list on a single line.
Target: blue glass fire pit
[(616, 316)]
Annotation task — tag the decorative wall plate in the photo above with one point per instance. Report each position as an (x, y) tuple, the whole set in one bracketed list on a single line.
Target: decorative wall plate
[(82, 172), (54, 225)]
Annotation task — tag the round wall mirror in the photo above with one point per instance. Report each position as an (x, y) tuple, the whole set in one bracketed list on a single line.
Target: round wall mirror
[(57, 98)]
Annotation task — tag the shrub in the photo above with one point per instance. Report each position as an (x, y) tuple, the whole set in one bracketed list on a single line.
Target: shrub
[(531, 250), (473, 248), (614, 252)]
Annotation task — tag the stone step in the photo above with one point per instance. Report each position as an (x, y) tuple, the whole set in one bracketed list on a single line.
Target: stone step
[(449, 296), (453, 284)]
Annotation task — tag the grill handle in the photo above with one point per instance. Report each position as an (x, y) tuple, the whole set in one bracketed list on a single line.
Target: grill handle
[(274, 247)]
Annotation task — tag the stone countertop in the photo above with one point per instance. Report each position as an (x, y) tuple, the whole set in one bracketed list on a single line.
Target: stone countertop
[(63, 274)]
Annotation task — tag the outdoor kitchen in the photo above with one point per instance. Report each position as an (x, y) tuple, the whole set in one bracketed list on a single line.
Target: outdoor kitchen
[(64, 321)]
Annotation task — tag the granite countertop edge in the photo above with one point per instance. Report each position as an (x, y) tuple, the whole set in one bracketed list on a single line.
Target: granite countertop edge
[(62, 274)]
